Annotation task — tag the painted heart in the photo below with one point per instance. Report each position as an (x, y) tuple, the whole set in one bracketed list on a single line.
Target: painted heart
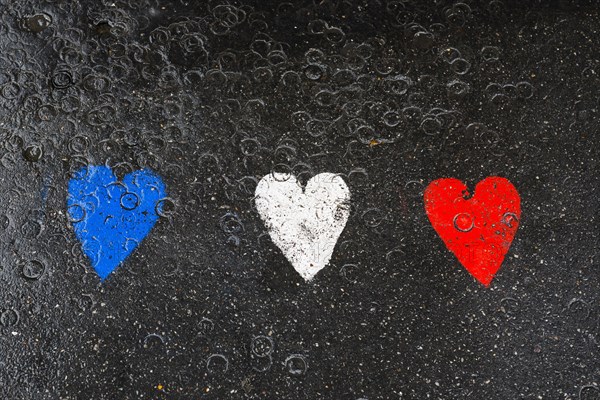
[(304, 224), (479, 229), (111, 218)]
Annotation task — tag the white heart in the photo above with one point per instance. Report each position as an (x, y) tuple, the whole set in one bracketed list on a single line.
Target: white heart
[(304, 224)]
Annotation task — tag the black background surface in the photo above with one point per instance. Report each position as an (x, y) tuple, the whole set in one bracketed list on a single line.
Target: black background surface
[(213, 96)]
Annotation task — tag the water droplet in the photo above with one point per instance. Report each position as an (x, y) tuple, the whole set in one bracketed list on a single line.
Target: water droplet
[(262, 346), (37, 23), (217, 363), (206, 326), (463, 222), (9, 318), (129, 200), (510, 219), (296, 364), (33, 153), (34, 269)]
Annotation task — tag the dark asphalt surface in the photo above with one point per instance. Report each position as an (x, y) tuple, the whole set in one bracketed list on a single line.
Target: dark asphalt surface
[(214, 95)]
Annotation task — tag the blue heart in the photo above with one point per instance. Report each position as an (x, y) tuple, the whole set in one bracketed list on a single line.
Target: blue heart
[(111, 218)]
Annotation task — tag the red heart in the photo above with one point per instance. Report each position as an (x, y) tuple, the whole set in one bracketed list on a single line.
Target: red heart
[(480, 229)]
